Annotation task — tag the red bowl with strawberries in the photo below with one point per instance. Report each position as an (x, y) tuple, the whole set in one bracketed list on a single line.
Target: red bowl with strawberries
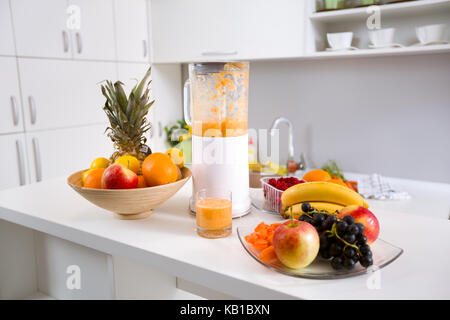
[(274, 187)]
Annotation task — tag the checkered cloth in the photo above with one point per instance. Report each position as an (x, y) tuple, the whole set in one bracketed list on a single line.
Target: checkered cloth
[(379, 188)]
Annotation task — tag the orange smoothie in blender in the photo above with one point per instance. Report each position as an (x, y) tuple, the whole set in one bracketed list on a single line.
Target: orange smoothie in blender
[(220, 105), (217, 109)]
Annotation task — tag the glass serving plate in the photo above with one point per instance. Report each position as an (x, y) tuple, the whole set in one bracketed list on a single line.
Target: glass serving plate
[(383, 252)]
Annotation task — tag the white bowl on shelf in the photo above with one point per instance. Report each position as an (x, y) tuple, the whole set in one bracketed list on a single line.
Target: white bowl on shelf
[(434, 33), (340, 40), (382, 37)]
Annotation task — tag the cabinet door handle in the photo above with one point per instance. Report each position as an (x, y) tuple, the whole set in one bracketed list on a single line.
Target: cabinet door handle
[(15, 110), (159, 129), (79, 42), (144, 47), (21, 160), (32, 105), (219, 53), (65, 41), (37, 159)]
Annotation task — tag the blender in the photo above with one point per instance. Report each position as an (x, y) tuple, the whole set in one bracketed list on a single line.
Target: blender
[(216, 106)]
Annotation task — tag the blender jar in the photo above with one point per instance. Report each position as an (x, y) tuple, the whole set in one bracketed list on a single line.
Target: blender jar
[(216, 106)]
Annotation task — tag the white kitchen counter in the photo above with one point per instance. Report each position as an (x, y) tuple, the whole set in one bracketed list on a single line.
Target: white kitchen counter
[(167, 241)]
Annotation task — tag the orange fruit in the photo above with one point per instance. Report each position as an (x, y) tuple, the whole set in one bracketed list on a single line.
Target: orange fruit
[(84, 174), (337, 181), (316, 175), (94, 179), (141, 182), (159, 169)]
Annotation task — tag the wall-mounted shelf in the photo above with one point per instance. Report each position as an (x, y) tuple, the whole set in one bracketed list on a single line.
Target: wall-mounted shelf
[(383, 52), (387, 11), (361, 53), (404, 17)]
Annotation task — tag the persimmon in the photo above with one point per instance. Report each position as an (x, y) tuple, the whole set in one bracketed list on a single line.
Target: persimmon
[(316, 175)]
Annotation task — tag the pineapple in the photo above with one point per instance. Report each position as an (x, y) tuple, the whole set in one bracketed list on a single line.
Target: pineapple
[(127, 117)]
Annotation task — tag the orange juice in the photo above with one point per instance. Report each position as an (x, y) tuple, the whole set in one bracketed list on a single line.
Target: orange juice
[(213, 217)]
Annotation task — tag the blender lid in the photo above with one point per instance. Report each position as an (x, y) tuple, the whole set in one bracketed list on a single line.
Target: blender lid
[(214, 67), (208, 67)]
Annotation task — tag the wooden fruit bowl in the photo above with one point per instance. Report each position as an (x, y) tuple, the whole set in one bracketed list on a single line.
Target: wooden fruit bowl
[(129, 204)]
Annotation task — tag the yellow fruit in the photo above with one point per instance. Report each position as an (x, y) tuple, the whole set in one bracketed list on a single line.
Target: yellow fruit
[(255, 166), (130, 162), (177, 156), (100, 163), (84, 174), (321, 191), (275, 168)]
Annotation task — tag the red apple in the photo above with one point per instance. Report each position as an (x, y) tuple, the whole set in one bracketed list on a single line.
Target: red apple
[(118, 176), (296, 243), (366, 218)]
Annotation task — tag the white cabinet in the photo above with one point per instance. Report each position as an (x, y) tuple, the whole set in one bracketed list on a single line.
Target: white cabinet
[(56, 153), (11, 119), (131, 73), (95, 37), (81, 29), (40, 28), (200, 30), (13, 163), (166, 90), (58, 93), (53, 258), (6, 30), (131, 30)]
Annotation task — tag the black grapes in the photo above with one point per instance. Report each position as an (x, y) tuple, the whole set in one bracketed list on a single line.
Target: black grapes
[(341, 240)]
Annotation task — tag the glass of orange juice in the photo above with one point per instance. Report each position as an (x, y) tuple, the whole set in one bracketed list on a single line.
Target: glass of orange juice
[(213, 213)]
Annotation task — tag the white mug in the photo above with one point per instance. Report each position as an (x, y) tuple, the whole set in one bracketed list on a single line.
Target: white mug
[(431, 33), (340, 40), (382, 37)]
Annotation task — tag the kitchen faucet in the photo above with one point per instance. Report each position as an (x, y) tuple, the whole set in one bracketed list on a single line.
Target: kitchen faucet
[(275, 125)]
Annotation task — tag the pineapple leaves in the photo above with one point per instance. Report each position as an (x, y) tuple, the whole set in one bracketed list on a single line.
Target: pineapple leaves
[(131, 106), (137, 90), (121, 96), (127, 116)]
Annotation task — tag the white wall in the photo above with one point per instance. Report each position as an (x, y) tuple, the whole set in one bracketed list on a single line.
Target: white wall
[(389, 115)]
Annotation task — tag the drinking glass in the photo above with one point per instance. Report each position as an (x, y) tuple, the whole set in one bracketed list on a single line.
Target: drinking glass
[(213, 213)]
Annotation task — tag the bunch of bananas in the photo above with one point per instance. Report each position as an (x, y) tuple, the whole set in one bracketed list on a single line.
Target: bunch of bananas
[(321, 195)]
